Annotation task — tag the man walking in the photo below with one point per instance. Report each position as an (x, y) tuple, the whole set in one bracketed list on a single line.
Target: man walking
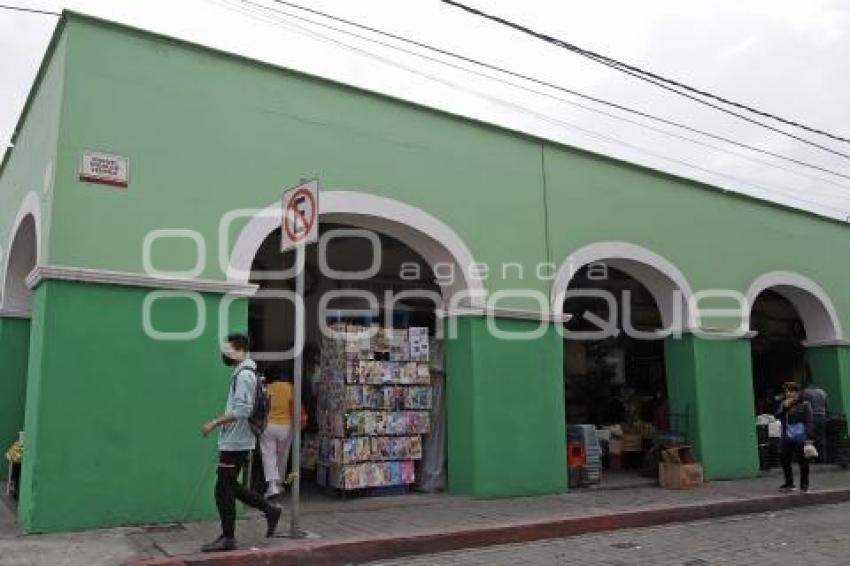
[(236, 440), (817, 398)]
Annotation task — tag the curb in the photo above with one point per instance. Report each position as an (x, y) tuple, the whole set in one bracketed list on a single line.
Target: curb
[(380, 548)]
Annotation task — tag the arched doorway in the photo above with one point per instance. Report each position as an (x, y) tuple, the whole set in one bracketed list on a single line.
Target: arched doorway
[(15, 312), (17, 296), (622, 301), (613, 368), (438, 244), (793, 319), (777, 351), (422, 265)]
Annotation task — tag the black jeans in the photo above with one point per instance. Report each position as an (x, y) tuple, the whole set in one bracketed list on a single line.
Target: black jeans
[(228, 490), (789, 452)]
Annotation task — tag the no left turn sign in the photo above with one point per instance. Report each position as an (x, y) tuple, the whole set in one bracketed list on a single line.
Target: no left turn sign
[(300, 224)]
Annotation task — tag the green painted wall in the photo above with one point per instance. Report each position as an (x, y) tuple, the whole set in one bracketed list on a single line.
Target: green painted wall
[(199, 140), (717, 241), (505, 411), (460, 404), (29, 166), (113, 416), (14, 354), (831, 370), (33, 416), (711, 381)]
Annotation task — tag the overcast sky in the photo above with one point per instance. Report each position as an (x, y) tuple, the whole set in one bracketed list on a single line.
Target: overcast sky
[(788, 57)]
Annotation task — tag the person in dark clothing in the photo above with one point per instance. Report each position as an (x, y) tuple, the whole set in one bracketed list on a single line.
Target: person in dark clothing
[(794, 411), (817, 398), (236, 441)]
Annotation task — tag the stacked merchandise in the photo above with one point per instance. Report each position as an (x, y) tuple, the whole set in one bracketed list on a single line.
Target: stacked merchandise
[(774, 442), (763, 439), (586, 435), (575, 463), (611, 440), (769, 436), (374, 402), (837, 441), (309, 451)]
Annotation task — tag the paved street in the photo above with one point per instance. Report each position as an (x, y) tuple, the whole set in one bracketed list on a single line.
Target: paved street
[(332, 520), (812, 536)]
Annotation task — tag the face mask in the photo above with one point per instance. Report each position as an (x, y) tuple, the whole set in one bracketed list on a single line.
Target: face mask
[(227, 360)]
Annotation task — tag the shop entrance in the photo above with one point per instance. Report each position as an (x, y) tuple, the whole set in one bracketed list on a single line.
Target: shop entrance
[(778, 354), (778, 357), (373, 377), (14, 352), (614, 381)]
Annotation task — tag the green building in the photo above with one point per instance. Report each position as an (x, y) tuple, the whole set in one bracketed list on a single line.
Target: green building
[(114, 298)]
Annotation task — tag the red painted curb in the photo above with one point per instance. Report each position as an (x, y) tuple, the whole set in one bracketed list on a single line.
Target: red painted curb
[(378, 548)]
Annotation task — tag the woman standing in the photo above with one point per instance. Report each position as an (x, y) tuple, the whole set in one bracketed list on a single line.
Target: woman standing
[(797, 428), (276, 440)]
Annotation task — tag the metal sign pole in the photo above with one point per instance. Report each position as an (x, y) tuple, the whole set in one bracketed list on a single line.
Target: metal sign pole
[(299, 370), (299, 227)]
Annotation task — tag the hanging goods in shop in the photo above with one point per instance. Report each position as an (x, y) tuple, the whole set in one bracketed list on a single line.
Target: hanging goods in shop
[(374, 402), (583, 440), (838, 442)]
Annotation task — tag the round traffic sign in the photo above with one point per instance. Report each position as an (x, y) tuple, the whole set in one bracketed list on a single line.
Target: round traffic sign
[(301, 214)]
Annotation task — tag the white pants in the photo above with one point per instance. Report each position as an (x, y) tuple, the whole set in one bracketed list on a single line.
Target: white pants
[(274, 445)]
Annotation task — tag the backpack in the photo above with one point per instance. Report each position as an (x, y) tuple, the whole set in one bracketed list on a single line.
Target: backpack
[(259, 419)]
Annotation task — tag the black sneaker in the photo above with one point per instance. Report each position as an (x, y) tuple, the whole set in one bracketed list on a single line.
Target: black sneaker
[(804, 488), (786, 487), (272, 518), (221, 544)]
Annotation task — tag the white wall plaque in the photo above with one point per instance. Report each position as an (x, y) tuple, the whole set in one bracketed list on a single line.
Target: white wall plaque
[(104, 168)]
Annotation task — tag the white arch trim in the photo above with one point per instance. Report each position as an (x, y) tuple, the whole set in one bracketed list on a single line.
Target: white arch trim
[(427, 235), (30, 206), (814, 306), (659, 275)]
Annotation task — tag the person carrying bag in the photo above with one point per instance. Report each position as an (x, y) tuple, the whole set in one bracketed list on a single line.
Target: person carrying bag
[(797, 429)]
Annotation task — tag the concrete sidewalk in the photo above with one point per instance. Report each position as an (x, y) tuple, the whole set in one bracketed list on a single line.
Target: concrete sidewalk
[(361, 529)]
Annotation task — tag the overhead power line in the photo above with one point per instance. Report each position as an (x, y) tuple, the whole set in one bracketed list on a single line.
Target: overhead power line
[(615, 63), (28, 10), (791, 195), (665, 83), (502, 70)]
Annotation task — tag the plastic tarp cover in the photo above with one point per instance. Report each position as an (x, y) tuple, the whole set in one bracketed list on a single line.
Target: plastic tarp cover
[(433, 467)]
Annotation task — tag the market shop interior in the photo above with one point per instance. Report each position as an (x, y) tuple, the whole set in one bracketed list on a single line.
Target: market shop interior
[(373, 389), (778, 357), (615, 386), (21, 260), (778, 354)]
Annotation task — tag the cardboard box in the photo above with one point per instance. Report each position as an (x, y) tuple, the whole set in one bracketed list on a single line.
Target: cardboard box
[(679, 476), (678, 455)]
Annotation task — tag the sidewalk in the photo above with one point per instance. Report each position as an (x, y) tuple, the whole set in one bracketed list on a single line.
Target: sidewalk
[(361, 529)]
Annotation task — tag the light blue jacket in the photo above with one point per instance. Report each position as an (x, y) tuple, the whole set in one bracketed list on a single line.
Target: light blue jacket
[(240, 403)]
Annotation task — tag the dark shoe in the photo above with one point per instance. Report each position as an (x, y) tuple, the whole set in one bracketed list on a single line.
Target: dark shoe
[(221, 544), (786, 487), (804, 488), (275, 496), (272, 518)]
